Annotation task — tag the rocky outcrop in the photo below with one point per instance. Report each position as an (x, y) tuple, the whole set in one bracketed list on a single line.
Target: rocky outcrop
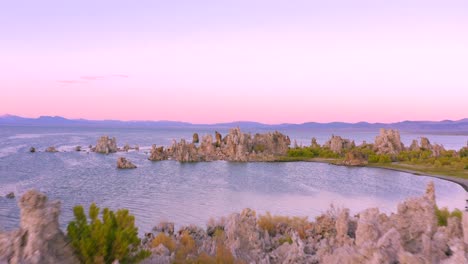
[(414, 146), (195, 138), (388, 142), (184, 152), (157, 153), (355, 158), (106, 145), (243, 238), (425, 144), (123, 163), (51, 149), (437, 150), (338, 144), (235, 146), (314, 144), (39, 238), (126, 147)]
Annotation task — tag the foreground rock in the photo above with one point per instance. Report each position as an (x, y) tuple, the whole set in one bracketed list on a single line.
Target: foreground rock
[(388, 142), (39, 238), (411, 235), (123, 163), (106, 145)]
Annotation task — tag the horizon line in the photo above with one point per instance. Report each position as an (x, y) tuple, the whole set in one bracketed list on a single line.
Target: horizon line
[(226, 122)]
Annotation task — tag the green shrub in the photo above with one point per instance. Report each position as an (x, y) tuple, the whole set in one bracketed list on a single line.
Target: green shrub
[(443, 214), (464, 152), (286, 239), (115, 237)]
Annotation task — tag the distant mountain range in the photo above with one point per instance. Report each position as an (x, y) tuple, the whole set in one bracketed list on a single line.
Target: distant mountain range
[(449, 126)]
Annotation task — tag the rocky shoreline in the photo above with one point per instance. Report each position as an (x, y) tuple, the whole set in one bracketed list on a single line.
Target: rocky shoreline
[(414, 234)]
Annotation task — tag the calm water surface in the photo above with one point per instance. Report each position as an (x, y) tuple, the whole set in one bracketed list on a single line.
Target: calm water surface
[(192, 193)]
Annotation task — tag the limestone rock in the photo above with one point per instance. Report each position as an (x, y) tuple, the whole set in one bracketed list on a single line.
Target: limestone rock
[(388, 142), (126, 147), (425, 144), (235, 146), (51, 149), (314, 143), (338, 144), (218, 138), (165, 227), (39, 238), (10, 195), (414, 145), (437, 150), (157, 153), (32, 149), (123, 163), (106, 145), (465, 226), (185, 152), (355, 158), (78, 148), (195, 138), (243, 238)]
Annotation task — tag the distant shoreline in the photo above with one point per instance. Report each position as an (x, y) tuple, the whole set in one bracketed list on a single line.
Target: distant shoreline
[(462, 182)]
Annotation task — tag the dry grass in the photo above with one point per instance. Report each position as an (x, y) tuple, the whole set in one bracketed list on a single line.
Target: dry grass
[(165, 240), (272, 223)]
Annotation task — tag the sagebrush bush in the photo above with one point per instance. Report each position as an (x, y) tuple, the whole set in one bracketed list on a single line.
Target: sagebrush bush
[(165, 240), (270, 223), (443, 214), (115, 237)]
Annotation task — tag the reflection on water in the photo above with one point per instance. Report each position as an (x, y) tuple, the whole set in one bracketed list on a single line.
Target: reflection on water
[(192, 193)]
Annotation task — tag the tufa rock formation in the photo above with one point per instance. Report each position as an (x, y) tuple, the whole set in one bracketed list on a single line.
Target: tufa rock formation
[(314, 143), (235, 146), (195, 138), (355, 158), (39, 238), (388, 142), (338, 144), (106, 145), (414, 146), (123, 163), (51, 149), (425, 144), (157, 154)]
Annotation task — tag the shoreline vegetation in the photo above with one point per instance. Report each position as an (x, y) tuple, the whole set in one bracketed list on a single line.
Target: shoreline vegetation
[(418, 232)]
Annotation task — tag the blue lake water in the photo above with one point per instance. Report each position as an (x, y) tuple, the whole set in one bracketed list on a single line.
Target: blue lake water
[(192, 193)]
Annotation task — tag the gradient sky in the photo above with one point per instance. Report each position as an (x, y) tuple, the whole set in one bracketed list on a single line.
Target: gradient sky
[(216, 61)]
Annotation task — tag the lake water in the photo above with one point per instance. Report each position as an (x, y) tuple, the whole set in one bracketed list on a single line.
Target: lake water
[(192, 193)]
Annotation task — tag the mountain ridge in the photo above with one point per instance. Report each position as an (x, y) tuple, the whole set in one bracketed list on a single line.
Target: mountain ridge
[(443, 125)]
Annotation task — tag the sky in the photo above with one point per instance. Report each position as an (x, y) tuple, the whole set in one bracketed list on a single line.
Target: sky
[(219, 61)]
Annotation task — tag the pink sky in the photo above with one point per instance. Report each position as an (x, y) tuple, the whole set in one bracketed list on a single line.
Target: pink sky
[(208, 62)]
